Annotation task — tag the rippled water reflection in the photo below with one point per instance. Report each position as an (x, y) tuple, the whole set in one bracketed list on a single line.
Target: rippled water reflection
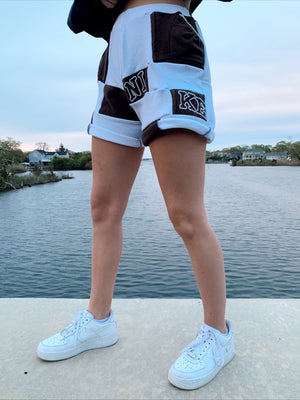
[(46, 236)]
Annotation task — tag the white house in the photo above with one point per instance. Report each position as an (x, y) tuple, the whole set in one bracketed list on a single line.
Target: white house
[(253, 154), (276, 155), (41, 157)]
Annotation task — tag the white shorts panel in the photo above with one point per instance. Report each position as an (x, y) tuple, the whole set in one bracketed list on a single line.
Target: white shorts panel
[(153, 106)]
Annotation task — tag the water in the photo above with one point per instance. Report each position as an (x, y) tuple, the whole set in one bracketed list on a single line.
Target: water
[(46, 234)]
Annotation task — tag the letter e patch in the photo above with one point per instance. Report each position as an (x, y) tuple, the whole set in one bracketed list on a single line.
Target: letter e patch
[(188, 102)]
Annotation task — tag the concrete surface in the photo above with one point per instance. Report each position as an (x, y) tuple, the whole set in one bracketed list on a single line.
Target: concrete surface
[(152, 332)]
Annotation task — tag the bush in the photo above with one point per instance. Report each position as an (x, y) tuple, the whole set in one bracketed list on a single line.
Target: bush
[(78, 161), (60, 164)]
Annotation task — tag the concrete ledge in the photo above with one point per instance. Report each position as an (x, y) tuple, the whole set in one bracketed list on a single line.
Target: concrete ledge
[(152, 332)]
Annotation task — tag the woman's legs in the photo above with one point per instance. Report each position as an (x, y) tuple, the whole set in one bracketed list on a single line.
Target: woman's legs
[(114, 170), (179, 159)]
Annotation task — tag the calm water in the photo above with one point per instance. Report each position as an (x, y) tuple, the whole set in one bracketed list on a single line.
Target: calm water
[(46, 235)]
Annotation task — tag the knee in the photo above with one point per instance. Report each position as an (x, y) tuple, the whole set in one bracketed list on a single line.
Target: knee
[(105, 209), (188, 223)]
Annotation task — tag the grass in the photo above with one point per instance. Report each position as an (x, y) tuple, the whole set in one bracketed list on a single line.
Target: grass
[(18, 182)]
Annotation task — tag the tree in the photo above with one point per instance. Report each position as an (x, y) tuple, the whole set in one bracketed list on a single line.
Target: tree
[(282, 146), (42, 146), (61, 148), (82, 160), (237, 149), (61, 164), (9, 154), (295, 150), (267, 148)]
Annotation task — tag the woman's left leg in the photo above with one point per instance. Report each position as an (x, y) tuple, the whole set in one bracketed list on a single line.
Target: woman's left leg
[(179, 159)]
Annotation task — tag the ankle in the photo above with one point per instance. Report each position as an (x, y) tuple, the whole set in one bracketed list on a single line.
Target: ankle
[(99, 315), (222, 327)]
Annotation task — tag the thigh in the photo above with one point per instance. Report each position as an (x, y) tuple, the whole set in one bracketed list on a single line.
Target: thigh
[(179, 159), (114, 170)]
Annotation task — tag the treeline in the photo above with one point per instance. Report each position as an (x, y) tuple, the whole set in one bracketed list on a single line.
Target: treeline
[(11, 159), (292, 149)]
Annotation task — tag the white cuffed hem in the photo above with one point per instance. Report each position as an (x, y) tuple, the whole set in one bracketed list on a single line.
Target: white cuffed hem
[(186, 122), (130, 131)]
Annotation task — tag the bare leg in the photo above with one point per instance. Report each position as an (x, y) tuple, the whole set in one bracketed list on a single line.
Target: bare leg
[(179, 158), (114, 170)]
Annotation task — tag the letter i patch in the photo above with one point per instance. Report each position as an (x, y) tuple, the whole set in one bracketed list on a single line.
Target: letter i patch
[(136, 85)]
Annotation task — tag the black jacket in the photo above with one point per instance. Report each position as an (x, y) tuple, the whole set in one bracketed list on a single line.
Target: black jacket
[(94, 18), (195, 4)]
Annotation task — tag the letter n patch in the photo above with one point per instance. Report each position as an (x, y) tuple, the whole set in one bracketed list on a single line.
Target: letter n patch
[(136, 85), (188, 102)]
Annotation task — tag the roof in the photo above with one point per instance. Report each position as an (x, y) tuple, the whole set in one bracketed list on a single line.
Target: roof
[(260, 151), (277, 153), (51, 153)]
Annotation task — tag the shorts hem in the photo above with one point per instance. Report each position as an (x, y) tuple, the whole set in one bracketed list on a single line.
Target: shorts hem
[(176, 122), (110, 136)]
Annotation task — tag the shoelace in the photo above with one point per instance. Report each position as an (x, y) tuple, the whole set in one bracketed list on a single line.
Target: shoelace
[(79, 320), (204, 338)]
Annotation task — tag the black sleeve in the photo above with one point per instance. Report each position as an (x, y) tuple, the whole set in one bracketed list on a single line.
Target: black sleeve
[(93, 17), (195, 4)]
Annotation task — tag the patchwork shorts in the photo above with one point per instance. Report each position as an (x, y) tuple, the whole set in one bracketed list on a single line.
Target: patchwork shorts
[(154, 75)]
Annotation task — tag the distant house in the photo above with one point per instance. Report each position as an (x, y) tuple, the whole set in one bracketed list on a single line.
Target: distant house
[(41, 157), (276, 155), (253, 154)]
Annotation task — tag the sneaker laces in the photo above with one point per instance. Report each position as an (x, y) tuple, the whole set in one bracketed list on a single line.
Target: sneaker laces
[(204, 339), (80, 319)]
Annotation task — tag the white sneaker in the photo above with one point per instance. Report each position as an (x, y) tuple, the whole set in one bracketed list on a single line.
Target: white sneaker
[(84, 333), (202, 359)]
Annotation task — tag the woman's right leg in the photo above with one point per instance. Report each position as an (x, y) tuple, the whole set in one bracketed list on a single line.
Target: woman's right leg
[(114, 170)]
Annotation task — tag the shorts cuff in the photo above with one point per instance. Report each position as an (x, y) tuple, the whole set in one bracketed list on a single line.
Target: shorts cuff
[(129, 131), (156, 128)]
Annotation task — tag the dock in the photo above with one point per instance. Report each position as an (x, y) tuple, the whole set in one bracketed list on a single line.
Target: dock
[(152, 333)]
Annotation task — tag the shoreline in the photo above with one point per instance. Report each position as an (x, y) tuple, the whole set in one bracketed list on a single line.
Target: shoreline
[(30, 180), (266, 163)]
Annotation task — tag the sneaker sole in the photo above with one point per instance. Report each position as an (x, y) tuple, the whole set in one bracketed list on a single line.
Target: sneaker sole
[(192, 383), (89, 345)]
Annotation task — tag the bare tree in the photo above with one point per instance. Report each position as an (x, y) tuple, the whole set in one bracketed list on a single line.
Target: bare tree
[(42, 146)]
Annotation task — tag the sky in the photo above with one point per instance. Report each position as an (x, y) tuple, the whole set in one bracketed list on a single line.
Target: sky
[(48, 75)]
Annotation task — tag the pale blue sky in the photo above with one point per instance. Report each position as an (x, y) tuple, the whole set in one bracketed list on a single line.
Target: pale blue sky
[(48, 74)]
